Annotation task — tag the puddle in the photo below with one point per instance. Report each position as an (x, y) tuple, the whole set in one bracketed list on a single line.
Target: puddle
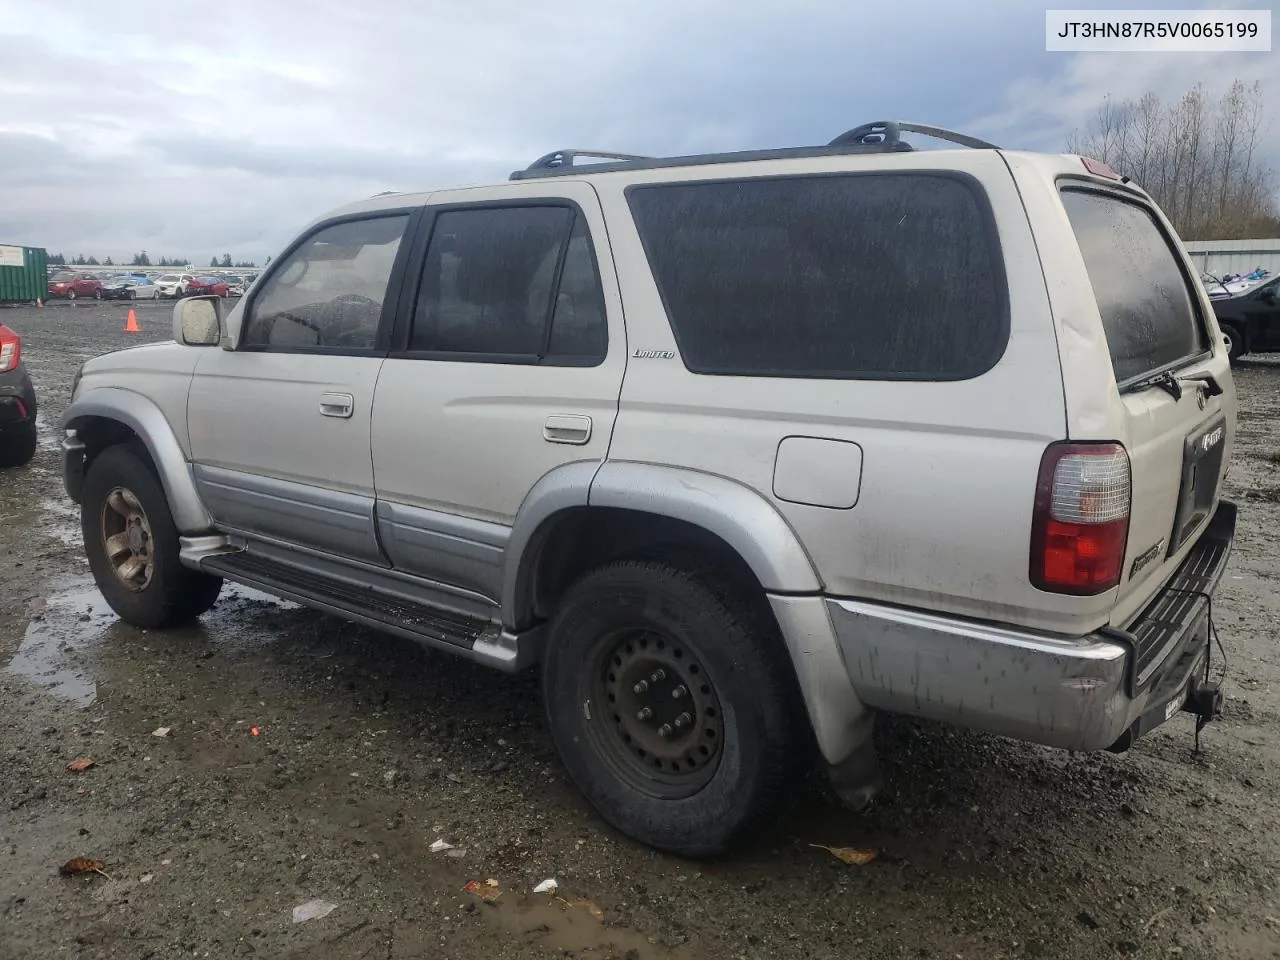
[(64, 622), (74, 619)]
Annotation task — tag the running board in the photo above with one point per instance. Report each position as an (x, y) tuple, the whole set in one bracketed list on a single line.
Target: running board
[(455, 633)]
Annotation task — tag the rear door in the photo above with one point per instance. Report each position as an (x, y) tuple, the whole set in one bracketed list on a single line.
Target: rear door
[(1159, 339), (506, 366)]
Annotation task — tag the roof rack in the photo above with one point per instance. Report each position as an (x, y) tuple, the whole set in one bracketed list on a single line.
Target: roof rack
[(565, 158), (889, 132), (883, 136)]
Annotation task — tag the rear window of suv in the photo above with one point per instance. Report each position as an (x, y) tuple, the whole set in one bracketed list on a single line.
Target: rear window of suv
[(1148, 314), (855, 276)]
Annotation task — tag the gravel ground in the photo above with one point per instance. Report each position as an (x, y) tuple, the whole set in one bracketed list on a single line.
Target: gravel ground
[(370, 748)]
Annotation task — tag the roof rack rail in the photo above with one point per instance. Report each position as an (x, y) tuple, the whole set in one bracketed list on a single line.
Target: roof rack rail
[(565, 158), (884, 136), (889, 133)]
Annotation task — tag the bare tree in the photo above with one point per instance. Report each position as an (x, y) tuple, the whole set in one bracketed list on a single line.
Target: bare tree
[(1198, 157)]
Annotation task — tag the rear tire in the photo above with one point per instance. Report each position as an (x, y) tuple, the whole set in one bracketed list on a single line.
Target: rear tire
[(132, 545), (18, 444), (701, 757), (1235, 341), (97, 294)]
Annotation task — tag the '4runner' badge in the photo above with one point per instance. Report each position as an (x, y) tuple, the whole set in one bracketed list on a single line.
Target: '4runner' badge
[(1210, 439), (1145, 558), (654, 354)]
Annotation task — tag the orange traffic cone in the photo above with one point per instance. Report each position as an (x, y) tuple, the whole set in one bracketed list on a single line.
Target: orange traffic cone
[(132, 325)]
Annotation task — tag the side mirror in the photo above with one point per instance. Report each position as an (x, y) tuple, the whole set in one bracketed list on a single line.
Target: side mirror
[(197, 321)]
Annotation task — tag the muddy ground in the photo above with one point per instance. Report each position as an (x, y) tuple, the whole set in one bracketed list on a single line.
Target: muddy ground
[(369, 749)]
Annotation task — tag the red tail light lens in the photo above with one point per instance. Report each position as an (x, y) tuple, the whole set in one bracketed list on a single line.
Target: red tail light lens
[(1080, 526), (10, 349)]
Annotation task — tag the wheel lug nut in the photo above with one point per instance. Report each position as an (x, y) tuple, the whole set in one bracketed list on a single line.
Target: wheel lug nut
[(644, 714), (683, 720), (657, 675), (679, 692), (664, 730), (641, 687)]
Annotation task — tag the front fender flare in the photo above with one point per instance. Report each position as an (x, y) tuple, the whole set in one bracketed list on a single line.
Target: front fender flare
[(144, 418)]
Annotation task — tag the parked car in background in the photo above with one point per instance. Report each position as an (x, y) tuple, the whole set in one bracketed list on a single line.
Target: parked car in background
[(208, 286), (174, 284), (1250, 320), (17, 403), (71, 286), (236, 283), (130, 287)]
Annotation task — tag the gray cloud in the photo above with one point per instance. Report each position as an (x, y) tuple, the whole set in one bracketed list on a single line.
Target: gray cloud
[(147, 128)]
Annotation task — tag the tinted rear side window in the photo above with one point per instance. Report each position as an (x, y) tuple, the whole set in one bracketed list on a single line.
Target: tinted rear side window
[(868, 276), (1147, 311)]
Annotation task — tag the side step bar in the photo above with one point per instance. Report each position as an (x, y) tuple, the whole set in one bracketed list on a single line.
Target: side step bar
[(455, 633)]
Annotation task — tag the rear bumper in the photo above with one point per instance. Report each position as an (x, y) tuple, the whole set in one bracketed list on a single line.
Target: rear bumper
[(17, 397), (1095, 692)]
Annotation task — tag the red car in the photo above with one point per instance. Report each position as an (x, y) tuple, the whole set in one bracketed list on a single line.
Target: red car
[(73, 285), (208, 286)]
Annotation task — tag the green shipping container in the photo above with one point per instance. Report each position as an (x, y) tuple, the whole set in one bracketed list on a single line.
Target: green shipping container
[(24, 274)]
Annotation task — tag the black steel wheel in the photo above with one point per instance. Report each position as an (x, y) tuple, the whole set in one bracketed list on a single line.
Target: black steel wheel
[(673, 704), (667, 726)]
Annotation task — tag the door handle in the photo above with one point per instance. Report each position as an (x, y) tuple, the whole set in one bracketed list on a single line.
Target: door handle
[(566, 428), (337, 405)]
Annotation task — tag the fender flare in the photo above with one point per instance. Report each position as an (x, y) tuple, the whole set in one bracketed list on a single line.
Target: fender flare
[(144, 418), (750, 525), (735, 513)]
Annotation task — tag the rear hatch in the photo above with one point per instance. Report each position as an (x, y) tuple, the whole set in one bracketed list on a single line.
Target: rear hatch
[(1170, 399)]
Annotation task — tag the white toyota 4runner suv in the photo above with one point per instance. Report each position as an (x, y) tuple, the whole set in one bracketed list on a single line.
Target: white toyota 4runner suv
[(738, 449)]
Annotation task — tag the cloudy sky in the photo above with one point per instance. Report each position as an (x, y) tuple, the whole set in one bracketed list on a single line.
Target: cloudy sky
[(198, 129)]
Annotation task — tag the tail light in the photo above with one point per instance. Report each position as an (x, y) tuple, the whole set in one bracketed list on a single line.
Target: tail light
[(10, 349), (1080, 525)]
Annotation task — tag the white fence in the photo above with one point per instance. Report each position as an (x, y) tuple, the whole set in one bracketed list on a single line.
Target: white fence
[(1220, 257)]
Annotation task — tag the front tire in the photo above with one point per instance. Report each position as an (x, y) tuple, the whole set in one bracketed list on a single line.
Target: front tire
[(132, 545), (18, 444), (673, 705), (97, 294), (71, 294)]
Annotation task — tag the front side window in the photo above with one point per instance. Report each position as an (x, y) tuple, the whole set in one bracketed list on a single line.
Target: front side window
[(1146, 306), (330, 291), (518, 283)]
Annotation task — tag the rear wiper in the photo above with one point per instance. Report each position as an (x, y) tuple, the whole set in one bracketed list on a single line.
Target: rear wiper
[(1173, 384), (1165, 381)]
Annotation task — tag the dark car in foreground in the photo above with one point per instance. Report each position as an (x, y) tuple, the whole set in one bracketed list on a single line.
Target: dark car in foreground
[(1250, 320), (17, 403)]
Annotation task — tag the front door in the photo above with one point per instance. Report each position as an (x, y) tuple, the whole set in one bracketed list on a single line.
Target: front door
[(506, 367), (280, 426)]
